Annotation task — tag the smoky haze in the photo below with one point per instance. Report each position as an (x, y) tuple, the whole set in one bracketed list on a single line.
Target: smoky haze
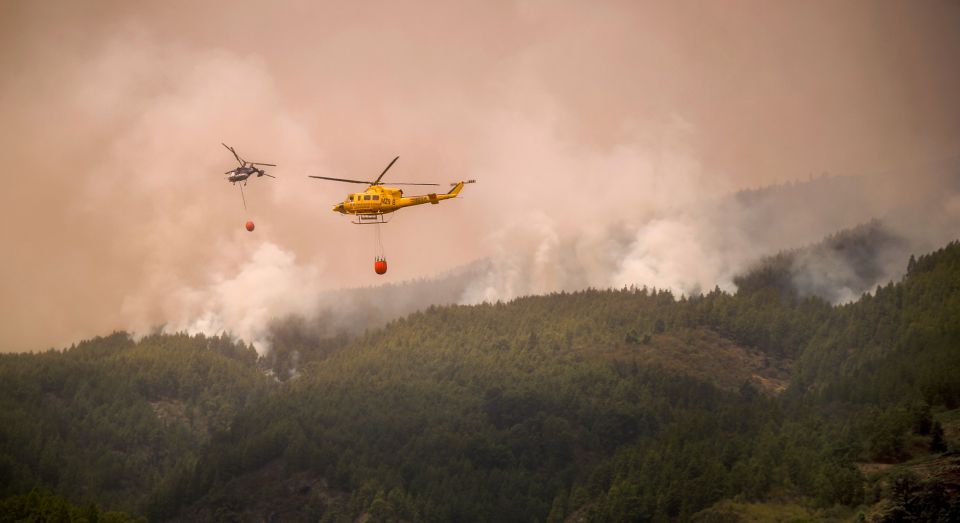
[(608, 141)]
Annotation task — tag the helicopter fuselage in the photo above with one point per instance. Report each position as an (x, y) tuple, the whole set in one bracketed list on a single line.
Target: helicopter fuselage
[(378, 199), (242, 173), (239, 177)]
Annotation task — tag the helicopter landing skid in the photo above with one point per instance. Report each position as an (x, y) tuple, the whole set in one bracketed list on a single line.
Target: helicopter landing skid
[(370, 219)]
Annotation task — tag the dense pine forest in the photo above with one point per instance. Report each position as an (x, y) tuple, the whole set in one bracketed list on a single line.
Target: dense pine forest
[(599, 405)]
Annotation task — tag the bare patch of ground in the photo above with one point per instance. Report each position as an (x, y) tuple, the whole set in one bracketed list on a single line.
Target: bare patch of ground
[(704, 354)]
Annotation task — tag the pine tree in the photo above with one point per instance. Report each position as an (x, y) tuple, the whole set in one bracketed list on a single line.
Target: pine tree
[(557, 511), (937, 442)]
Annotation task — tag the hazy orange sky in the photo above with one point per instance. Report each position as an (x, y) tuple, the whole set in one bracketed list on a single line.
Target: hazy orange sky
[(574, 117)]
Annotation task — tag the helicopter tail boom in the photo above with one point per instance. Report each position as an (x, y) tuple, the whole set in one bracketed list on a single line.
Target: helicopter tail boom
[(433, 198)]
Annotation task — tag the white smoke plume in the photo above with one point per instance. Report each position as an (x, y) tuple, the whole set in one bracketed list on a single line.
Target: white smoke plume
[(268, 285), (606, 141)]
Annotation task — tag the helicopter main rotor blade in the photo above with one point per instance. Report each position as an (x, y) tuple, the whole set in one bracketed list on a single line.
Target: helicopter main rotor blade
[(375, 182), (405, 183), (339, 179), (270, 175), (235, 155), (270, 164)]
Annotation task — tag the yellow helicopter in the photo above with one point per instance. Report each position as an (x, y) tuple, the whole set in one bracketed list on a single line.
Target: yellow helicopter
[(376, 201)]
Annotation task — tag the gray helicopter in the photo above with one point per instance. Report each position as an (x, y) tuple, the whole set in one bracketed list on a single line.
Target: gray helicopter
[(246, 169)]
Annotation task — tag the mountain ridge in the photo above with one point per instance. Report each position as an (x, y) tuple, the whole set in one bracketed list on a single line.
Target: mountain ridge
[(628, 404)]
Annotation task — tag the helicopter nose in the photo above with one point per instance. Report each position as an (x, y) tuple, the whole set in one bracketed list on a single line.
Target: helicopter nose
[(338, 208)]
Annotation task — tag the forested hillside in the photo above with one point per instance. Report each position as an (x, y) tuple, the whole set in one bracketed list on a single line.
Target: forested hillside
[(600, 405), (105, 420)]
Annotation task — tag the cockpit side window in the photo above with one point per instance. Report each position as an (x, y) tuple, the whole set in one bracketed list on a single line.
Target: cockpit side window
[(351, 197), (376, 196), (366, 196)]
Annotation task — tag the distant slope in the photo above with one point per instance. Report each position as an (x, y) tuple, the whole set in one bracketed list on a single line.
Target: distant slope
[(901, 342), (838, 269), (616, 405), (345, 313), (610, 405), (470, 413)]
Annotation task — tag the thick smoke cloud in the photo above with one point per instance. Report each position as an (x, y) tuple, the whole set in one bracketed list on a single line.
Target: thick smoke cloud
[(713, 242), (268, 285), (607, 141)]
